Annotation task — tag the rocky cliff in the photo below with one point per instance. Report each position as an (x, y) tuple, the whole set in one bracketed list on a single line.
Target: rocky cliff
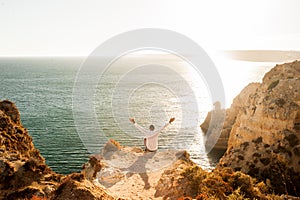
[(220, 127), (116, 173), (21, 165), (263, 131), (23, 172), (264, 139)]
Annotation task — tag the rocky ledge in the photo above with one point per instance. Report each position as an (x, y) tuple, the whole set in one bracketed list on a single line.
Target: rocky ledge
[(131, 173)]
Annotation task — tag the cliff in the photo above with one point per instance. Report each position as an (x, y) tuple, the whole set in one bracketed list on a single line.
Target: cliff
[(222, 127), (23, 172), (264, 138), (262, 127), (116, 173), (21, 165)]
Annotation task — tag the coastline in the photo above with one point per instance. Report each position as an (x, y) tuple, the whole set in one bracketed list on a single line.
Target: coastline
[(275, 103)]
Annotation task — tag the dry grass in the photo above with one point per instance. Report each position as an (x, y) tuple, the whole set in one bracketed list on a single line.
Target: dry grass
[(224, 184)]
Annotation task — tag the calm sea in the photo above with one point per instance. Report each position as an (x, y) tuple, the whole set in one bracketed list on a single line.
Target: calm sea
[(42, 89)]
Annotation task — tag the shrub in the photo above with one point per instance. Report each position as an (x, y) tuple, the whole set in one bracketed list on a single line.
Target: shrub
[(224, 183), (236, 195), (194, 175)]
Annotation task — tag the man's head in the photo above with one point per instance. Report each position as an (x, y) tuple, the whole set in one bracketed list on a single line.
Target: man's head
[(151, 127)]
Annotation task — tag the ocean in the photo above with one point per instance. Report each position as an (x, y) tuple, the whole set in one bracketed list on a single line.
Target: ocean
[(42, 89)]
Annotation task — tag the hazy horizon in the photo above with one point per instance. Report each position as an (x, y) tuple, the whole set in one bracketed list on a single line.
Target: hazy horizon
[(76, 28), (242, 55)]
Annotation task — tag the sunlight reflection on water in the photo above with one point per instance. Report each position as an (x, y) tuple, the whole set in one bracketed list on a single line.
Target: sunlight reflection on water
[(42, 90)]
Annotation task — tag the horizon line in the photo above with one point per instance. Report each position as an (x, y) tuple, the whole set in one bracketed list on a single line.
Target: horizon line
[(141, 54)]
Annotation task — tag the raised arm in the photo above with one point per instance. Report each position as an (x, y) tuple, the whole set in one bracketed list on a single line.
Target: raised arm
[(167, 124), (141, 129), (138, 126)]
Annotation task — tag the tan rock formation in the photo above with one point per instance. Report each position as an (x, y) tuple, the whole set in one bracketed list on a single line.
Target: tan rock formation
[(23, 172), (220, 128), (264, 139), (130, 173), (76, 186)]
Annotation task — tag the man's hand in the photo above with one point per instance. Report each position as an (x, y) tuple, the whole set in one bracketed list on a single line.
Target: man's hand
[(171, 120), (131, 120)]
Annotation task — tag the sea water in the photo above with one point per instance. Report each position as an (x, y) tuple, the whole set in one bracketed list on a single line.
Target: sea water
[(42, 89)]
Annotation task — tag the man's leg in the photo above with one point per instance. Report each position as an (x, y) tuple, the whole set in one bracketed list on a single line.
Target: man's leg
[(145, 140)]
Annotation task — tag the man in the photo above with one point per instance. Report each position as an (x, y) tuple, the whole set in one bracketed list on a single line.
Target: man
[(151, 136)]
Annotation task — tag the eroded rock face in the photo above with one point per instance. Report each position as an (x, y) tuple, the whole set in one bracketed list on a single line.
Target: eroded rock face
[(11, 110), (21, 165), (264, 139), (23, 172), (219, 129)]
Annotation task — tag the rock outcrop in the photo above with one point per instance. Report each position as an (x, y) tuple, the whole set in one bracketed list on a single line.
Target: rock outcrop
[(224, 119), (76, 186), (23, 172), (130, 173), (212, 127), (264, 140)]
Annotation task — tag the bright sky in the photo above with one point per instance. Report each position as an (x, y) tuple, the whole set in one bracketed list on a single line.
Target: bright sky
[(72, 27)]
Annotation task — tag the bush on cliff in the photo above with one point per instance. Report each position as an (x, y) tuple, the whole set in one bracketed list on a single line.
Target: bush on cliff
[(223, 183)]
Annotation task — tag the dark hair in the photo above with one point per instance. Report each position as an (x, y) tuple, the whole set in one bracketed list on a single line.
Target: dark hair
[(151, 127)]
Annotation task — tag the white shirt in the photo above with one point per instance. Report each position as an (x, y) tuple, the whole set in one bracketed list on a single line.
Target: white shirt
[(151, 136)]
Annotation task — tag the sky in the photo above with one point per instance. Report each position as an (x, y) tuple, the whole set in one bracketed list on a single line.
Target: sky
[(72, 27)]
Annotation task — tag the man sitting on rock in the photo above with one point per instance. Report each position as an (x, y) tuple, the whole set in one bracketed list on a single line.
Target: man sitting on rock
[(151, 136)]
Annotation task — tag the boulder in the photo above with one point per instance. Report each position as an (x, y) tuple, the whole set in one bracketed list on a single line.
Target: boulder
[(76, 186)]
